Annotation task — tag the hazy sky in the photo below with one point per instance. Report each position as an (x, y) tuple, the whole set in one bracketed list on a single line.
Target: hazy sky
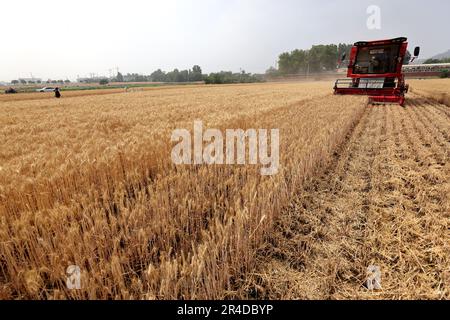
[(63, 39)]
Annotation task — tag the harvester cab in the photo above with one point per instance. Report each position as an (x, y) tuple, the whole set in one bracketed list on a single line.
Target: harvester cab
[(375, 69)]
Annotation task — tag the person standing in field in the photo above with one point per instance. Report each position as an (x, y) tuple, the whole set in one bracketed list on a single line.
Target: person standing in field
[(57, 93)]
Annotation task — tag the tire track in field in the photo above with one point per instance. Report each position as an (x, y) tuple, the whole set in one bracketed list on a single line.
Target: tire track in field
[(385, 202), (428, 116), (435, 119), (433, 142)]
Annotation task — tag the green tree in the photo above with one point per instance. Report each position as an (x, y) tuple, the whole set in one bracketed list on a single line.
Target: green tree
[(119, 77), (299, 61), (15, 82), (140, 78), (183, 76), (314, 58), (103, 81), (158, 76), (173, 75), (196, 74), (272, 72), (227, 77), (330, 57), (285, 63)]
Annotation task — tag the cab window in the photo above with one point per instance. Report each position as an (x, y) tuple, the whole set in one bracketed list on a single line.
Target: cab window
[(377, 59)]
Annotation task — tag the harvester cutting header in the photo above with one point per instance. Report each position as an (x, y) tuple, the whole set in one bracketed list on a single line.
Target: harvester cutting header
[(375, 69)]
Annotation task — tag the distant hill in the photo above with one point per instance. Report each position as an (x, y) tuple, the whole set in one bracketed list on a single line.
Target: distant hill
[(444, 55)]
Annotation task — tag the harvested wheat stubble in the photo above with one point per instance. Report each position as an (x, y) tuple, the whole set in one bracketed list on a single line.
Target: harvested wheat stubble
[(384, 202), (89, 181)]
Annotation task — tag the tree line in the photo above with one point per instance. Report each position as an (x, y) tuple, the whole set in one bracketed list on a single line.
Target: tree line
[(227, 77), (176, 76), (191, 75), (318, 58)]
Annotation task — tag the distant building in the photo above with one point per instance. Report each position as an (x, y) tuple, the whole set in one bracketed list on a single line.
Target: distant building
[(90, 80), (30, 80)]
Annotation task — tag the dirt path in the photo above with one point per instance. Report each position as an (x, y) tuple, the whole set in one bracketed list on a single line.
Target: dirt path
[(385, 202)]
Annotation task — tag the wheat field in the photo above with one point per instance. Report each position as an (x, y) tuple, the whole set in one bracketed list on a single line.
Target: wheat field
[(87, 180)]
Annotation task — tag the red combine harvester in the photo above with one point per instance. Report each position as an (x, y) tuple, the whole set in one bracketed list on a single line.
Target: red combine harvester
[(375, 69)]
